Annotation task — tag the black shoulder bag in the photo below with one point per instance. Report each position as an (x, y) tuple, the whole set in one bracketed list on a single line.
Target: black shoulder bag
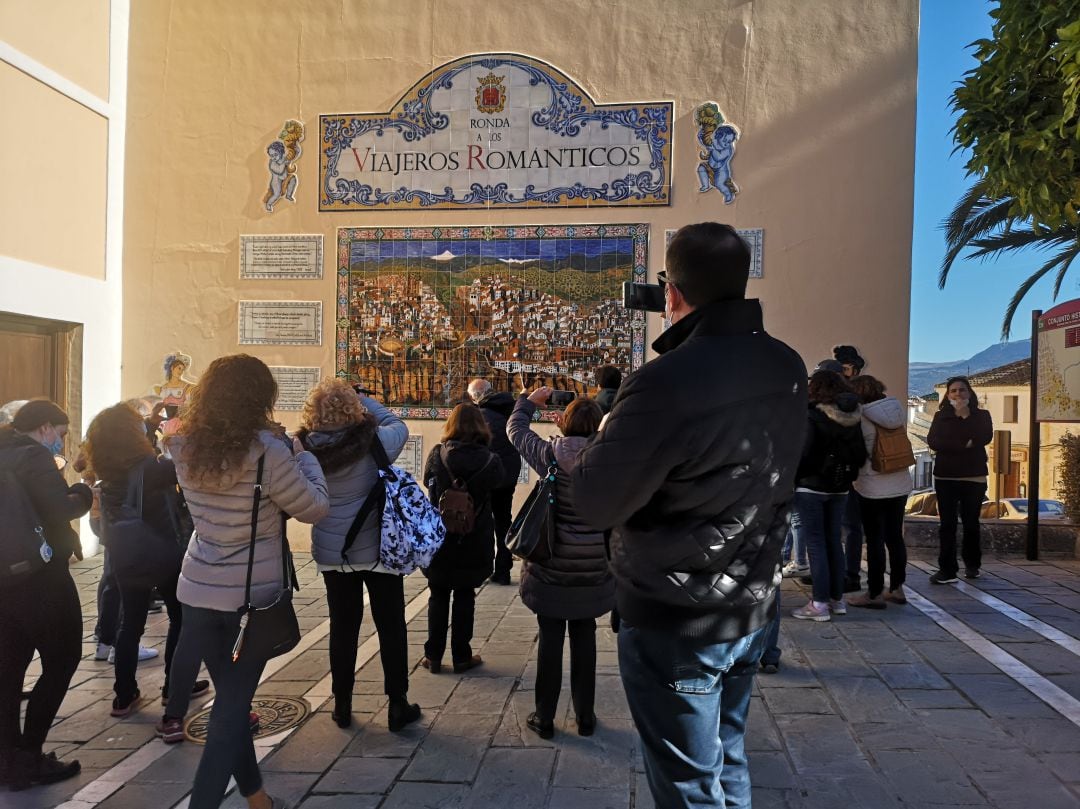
[(139, 554), (532, 533), (270, 631)]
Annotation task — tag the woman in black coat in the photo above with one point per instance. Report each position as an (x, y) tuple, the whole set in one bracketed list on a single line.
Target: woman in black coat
[(572, 588), (465, 560), (958, 436), (117, 448)]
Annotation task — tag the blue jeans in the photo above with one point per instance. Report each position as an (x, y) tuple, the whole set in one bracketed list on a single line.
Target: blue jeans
[(680, 691), (793, 551), (816, 519), (853, 539)]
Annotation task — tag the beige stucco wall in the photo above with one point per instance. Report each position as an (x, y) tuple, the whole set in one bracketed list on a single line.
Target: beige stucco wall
[(69, 36), (824, 94), (54, 164)]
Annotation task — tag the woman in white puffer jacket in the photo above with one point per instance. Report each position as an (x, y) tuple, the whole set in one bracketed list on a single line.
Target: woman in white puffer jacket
[(882, 496)]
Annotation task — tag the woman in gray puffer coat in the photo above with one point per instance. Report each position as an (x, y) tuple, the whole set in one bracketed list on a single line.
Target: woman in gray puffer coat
[(339, 427), (574, 587)]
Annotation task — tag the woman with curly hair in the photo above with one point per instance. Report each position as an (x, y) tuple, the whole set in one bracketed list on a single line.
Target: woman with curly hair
[(117, 449), (339, 427), (225, 431), (465, 560)]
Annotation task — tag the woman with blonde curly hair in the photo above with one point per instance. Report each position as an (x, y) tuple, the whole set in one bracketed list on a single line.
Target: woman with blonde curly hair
[(340, 427), (226, 435)]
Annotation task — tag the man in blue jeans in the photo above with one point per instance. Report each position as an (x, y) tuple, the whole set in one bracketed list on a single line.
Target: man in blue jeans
[(693, 474)]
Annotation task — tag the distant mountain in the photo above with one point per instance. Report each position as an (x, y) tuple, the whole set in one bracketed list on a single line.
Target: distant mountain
[(922, 376)]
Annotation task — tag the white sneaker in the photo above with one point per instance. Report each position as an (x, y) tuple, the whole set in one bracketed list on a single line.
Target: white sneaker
[(838, 607), (104, 652), (145, 653), (793, 569)]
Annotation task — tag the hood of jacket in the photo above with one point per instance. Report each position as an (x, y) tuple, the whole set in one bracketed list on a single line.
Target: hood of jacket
[(501, 402), (845, 412), (887, 413), (568, 449), (337, 449), (10, 439)]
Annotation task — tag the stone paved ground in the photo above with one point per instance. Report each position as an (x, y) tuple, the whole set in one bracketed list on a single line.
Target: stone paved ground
[(901, 708)]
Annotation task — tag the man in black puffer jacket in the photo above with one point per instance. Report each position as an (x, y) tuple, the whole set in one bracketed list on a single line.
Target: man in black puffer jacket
[(497, 408), (693, 473)]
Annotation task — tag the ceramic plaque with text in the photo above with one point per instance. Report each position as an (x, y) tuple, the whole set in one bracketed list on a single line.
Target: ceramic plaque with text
[(496, 130)]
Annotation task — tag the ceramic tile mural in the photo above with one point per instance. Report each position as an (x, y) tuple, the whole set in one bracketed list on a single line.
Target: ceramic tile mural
[(755, 240), (421, 311), (496, 130)]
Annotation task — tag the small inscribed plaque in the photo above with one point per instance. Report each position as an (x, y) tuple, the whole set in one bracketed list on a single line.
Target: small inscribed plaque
[(755, 240), (293, 384), (283, 323), (281, 255), (411, 458)]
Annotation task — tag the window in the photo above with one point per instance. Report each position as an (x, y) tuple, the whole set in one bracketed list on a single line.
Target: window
[(1012, 408)]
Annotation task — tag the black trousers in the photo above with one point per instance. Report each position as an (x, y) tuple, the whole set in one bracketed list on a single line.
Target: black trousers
[(582, 666), (41, 613), (461, 625), (963, 498), (345, 598), (136, 602), (502, 504), (108, 604), (229, 750), (883, 521)]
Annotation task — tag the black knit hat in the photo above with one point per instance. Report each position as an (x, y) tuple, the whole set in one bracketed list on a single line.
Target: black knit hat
[(849, 355), (36, 413)]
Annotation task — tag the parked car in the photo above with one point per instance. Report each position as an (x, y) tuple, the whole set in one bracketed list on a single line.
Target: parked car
[(1016, 508)]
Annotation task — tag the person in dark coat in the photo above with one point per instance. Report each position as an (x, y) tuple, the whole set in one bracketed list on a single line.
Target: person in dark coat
[(40, 610), (496, 407), (116, 448), (608, 380), (693, 472), (958, 436), (574, 587), (832, 455), (465, 560)]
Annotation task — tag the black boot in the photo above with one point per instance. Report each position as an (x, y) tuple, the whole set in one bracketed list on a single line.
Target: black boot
[(342, 711), (29, 768), (401, 713)]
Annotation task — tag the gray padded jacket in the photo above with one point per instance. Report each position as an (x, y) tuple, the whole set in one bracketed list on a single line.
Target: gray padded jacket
[(215, 567)]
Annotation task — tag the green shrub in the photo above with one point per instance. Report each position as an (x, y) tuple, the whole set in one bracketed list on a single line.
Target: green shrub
[(1068, 488)]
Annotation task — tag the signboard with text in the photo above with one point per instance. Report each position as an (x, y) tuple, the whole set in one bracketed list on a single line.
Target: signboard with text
[(496, 130), (1059, 364)]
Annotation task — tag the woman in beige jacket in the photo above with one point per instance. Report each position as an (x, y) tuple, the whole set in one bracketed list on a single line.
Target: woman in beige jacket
[(225, 430)]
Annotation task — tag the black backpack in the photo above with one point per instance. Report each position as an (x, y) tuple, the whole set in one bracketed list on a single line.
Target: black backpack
[(456, 504), (23, 548), (841, 468)]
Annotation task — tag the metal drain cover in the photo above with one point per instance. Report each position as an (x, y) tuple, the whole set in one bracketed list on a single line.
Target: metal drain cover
[(275, 715)]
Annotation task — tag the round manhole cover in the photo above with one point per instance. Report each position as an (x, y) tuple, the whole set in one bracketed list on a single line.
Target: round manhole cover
[(275, 715)]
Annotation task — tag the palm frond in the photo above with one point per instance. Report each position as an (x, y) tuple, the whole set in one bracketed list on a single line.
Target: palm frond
[(974, 216), (1065, 258), (1019, 239)]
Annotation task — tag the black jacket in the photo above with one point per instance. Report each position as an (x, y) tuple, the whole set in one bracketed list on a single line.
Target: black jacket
[(694, 473), (159, 498), (949, 437), (497, 408), (55, 502), (464, 561), (576, 581), (834, 436)]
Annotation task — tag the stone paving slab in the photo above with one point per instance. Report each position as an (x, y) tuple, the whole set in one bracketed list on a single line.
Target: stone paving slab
[(875, 709)]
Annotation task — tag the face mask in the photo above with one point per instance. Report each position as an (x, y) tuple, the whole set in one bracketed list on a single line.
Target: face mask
[(961, 402), (56, 446)]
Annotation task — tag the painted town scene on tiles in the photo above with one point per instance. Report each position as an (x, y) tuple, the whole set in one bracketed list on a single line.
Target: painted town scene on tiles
[(424, 310)]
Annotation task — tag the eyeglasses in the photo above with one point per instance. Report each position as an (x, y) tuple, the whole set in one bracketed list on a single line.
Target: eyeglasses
[(662, 277)]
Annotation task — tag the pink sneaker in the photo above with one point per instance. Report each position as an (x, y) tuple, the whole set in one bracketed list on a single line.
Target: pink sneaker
[(813, 611)]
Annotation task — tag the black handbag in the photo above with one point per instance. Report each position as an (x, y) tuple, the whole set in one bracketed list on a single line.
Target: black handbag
[(270, 631), (532, 533), (139, 554)]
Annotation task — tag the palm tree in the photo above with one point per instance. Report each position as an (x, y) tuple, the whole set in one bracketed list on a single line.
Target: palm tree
[(986, 227)]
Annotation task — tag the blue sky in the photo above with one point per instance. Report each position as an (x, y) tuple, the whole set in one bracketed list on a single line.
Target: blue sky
[(965, 317)]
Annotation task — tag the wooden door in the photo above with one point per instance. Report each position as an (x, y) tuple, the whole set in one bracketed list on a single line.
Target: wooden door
[(27, 365)]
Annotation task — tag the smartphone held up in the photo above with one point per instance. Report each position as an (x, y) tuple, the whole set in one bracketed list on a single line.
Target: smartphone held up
[(643, 297)]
